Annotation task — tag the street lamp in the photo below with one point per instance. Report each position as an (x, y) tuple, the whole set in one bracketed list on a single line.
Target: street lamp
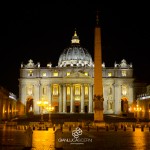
[(42, 103), (137, 109), (50, 108)]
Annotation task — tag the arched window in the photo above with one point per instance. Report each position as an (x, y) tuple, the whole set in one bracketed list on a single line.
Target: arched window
[(77, 90)]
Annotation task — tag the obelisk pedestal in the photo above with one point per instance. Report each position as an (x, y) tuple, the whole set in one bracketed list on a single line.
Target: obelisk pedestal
[(98, 109)]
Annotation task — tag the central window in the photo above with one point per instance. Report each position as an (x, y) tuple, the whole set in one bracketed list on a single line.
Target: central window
[(77, 92), (68, 73), (55, 74), (109, 74), (44, 74), (124, 73), (30, 73)]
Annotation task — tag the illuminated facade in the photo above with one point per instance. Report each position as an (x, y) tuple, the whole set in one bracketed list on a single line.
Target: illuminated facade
[(69, 86), (8, 104), (143, 102)]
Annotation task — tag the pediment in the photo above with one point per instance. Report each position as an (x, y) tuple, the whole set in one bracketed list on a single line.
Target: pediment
[(77, 75)]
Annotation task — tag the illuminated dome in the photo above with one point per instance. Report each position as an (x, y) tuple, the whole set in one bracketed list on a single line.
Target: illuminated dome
[(75, 55)]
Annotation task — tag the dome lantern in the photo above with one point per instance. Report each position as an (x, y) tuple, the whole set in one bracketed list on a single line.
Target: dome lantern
[(75, 39)]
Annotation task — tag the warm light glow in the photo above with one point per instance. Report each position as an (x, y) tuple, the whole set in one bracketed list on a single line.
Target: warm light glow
[(42, 102), (30, 73), (55, 74), (77, 90), (75, 38), (55, 89), (139, 143), (68, 73), (137, 108), (124, 90), (130, 109), (124, 73), (109, 74), (86, 73), (68, 90), (86, 90), (43, 138), (44, 74), (49, 108)]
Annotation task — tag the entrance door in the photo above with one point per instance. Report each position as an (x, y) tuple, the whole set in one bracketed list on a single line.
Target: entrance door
[(68, 109), (124, 105), (76, 109), (86, 109), (29, 105)]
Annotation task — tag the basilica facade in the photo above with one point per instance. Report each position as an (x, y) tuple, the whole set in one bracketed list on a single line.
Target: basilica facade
[(69, 87)]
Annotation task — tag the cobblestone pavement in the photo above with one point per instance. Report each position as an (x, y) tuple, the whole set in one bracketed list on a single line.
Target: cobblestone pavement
[(77, 139), (43, 140), (108, 140), (12, 139)]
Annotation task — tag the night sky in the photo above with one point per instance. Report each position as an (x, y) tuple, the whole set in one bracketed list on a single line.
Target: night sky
[(42, 31)]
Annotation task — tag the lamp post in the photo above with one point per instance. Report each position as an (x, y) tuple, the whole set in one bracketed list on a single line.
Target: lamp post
[(50, 108), (149, 114), (137, 109), (42, 103)]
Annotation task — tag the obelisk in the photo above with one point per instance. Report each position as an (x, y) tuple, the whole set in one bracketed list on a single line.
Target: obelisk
[(98, 86)]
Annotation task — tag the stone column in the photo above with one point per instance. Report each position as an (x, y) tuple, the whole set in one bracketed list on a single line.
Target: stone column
[(40, 91), (71, 101), (36, 98), (49, 94), (60, 98), (130, 101), (117, 99), (105, 96), (93, 97), (23, 96), (82, 99), (90, 99), (64, 98)]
